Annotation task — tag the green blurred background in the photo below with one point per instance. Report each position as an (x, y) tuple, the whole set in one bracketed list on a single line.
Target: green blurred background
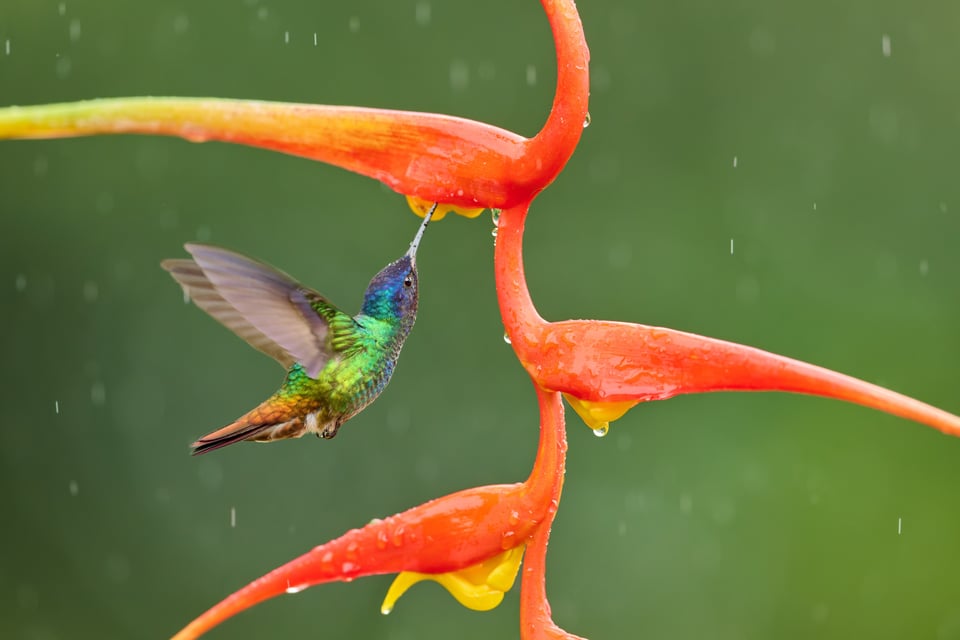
[(785, 127)]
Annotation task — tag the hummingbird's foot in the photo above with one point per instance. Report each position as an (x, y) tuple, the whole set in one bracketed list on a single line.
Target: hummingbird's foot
[(329, 430)]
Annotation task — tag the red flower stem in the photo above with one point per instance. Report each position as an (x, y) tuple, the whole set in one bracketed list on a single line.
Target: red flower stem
[(520, 318), (535, 620), (550, 149)]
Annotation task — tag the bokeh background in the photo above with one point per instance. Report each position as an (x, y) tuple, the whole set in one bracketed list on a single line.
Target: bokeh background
[(819, 138)]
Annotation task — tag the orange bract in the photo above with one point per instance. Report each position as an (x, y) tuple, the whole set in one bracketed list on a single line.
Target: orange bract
[(603, 368)]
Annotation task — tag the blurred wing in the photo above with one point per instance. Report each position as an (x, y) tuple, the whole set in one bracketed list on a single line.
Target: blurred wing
[(262, 305)]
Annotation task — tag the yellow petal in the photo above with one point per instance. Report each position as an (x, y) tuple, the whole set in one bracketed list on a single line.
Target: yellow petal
[(421, 206), (480, 587), (599, 415)]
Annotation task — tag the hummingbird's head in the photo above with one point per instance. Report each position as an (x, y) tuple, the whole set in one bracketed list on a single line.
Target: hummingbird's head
[(393, 293)]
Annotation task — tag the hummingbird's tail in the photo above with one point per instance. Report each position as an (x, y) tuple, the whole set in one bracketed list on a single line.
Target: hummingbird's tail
[(265, 423)]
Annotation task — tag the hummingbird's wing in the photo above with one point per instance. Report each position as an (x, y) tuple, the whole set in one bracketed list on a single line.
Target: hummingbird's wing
[(266, 307)]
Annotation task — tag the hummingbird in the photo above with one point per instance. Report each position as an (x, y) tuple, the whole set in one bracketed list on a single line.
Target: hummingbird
[(336, 364)]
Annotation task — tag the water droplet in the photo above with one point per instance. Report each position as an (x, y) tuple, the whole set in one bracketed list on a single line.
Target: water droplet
[(493, 232), (352, 550), (354, 24), (885, 46), (56, 407), (398, 537), (21, 282), (386, 610), (90, 291), (74, 488), (459, 75), (587, 120), (734, 162), (181, 24), (327, 557), (382, 540), (7, 46), (62, 66), (296, 589), (286, 37), (314, 38), (347, 567), (508, 540), (506, 338), (924, 267), (233, 517), (62, 8), (422, 13), (514, 519), (74, 30), (98, 394), (602, 430), (531, 75), (495, 216)]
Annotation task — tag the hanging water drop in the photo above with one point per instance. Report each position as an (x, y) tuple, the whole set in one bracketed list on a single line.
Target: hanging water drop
[(586, 120), (602, 430), (506, 338), (495, 216), (493, 232)]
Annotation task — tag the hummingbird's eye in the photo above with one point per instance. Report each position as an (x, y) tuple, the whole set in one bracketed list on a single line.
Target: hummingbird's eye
[(408, 282)]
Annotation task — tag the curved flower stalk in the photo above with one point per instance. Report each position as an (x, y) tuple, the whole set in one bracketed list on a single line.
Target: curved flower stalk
[(602, 368)]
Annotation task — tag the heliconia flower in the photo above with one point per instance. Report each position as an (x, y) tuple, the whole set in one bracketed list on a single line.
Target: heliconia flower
[(605, 368), (472, 541)]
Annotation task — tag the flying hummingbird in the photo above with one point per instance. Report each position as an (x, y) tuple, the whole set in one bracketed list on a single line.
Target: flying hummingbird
[(336, 364)]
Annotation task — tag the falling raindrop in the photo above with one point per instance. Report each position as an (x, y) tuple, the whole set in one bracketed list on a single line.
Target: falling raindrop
[(314, 38), (62, 8), (506, 338), (924, 267), (531, 75), (74, 30), (98, 394), (354, 24), (233, 517), (90, 291), (20, 282), (731, 246), (286, 37), (587, 120), (899, 526), (602, 430), (734, 162), (62, 66), (885, 45), (459, 75), (56, 407), (7, 46), (74, 488), (423, 13), (181, 23)]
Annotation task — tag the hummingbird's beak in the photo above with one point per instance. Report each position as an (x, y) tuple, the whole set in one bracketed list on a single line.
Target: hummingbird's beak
[(412, 251)]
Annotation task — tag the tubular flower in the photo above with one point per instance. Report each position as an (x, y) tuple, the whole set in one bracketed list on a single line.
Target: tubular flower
[(472, 541)]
